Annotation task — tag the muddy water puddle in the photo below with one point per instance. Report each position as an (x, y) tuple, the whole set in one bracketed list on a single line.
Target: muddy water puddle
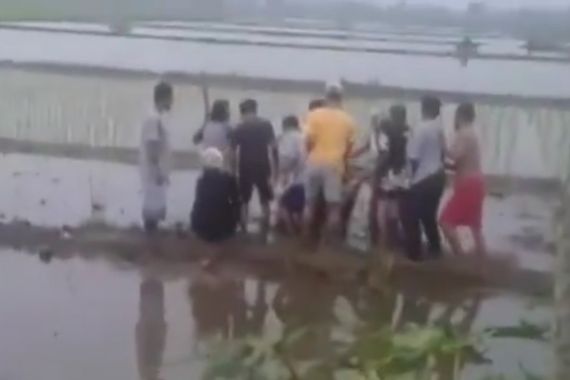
[(91, 316), (104, 318)]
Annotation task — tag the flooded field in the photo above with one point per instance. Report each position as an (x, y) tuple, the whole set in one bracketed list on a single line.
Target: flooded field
[(489, 76), (89, 318), (86, 295), (106, 111), (94, 307)]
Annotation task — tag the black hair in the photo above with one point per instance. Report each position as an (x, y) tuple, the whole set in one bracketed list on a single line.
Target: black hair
[(290, 122), (397, 143), (316, 104), (220, 111), (163, 92), (334, 96), (248, 106), (465, 113), (431, 107), (398, 114)]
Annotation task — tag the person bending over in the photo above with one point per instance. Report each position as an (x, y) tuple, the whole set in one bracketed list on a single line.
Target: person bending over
[(216, 210)]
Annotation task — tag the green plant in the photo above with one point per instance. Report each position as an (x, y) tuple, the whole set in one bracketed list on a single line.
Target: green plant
[(412, 354), (524, 330)]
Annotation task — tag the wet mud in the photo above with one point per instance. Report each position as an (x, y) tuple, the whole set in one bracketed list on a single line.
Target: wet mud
[(86, 294)]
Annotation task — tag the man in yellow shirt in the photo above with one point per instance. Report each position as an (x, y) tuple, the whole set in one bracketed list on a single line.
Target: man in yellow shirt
[(329, 133)]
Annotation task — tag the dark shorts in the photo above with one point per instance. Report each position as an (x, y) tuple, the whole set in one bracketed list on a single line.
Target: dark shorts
[(250, 181), (293, 200)]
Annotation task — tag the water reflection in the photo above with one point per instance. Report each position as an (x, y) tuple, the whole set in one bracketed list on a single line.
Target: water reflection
[(303, 304), (325, 312), (220, 309), (150, 331)]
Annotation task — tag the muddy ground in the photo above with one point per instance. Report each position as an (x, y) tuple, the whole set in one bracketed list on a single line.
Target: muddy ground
[(86, 295)]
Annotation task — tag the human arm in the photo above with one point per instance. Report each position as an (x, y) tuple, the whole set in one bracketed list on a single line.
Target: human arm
[(273, 152), (350, 138), (235, 151), (310, 133), (356, 153), (456, 151), (413, 152)]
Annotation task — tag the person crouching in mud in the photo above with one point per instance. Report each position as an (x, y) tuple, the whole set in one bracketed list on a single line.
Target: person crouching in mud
[(154, 157), (216, 210)]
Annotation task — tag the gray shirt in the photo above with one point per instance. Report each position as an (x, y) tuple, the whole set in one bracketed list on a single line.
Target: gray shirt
[(427, 147), (217, 135), (292, 154)]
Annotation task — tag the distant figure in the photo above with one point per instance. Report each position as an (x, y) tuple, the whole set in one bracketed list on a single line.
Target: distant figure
[(154, 158), (465, 208), (217, 131), (426, 151), (291, 166), (257, 159), (330, 136), (216, 211)]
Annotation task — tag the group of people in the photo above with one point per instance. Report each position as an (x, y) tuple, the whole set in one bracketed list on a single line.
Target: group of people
[(309, 164)]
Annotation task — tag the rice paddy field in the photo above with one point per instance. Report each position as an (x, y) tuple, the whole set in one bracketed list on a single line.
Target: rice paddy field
[(87, 295)]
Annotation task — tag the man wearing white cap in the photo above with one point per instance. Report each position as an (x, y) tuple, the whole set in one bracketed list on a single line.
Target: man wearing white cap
[(330, 133)]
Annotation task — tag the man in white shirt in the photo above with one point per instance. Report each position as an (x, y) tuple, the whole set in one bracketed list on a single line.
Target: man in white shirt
[(426, 153), (155, 157)]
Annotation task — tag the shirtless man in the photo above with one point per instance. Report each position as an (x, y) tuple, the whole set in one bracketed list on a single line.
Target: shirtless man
[(465, 208)]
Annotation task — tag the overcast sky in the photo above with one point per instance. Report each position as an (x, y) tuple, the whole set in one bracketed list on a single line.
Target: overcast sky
[(490, 3)]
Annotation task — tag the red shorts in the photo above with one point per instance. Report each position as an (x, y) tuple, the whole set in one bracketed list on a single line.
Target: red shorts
[(465, 207)]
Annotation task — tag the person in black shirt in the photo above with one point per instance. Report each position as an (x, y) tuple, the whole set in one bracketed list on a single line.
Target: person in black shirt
[(257, 158), (216, 211)]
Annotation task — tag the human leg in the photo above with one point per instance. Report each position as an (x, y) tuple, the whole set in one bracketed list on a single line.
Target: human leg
[(313, 200), (154, 205), (374, 224), (246, 191), (265, 191), (430, 193), (479, 240), (411, 225), (381, 208), (150, 225), (332, 191), (293, 202), (452, 237), (392, 222)]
